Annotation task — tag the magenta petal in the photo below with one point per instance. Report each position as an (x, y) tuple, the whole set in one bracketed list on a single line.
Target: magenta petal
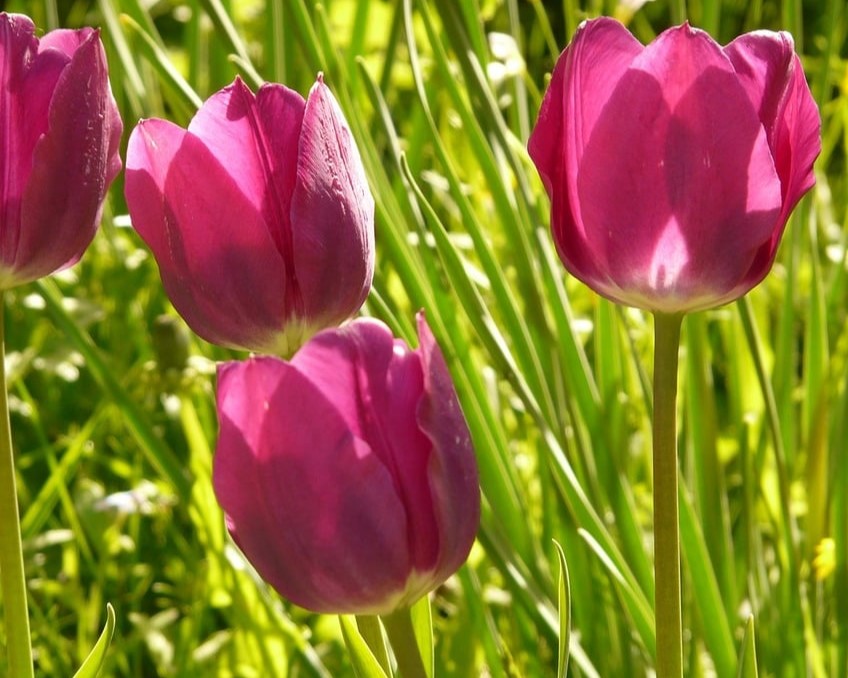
[(71, 166), (797, 141), (452, 468), (546, 141), (585, 76), (600, 54), (201, 230), (623, 197), (774, 79), (255, 138), (332, 214), (376, 383), (64, 40), (18, 45), (763, 63), (340, 554)]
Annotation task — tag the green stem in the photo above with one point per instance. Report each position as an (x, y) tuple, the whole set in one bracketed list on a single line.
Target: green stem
[(12, 581), (402, 638), (666, 527)]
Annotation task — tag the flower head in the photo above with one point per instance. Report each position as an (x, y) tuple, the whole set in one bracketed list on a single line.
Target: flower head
[(59, 134), (673, 168), (259, 215), (347, 474)]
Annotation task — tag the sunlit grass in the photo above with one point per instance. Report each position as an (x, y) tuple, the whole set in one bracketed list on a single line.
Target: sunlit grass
[(113, 410)]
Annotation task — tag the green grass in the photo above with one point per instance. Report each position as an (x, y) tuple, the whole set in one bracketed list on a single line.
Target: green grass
[(108, 398)]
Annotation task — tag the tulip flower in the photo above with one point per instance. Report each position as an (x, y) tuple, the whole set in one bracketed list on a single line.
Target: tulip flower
[(347, 475), (672, 169), (59, 134), (259, 215)]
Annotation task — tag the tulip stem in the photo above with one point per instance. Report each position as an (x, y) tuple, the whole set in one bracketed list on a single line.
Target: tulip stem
[(402, 638), (12, 581), (667, 607)]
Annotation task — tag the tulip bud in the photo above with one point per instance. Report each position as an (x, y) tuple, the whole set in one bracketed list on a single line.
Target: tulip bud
[(672, 169), (59, 134), (347, 475), (259, 215)]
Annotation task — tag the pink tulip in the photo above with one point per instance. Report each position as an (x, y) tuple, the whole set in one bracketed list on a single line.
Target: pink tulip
[(259, 215), (59, 136), (347, 474), (673, 168)]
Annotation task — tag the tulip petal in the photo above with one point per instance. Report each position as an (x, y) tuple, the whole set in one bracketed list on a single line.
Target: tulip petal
[(452, 469), (256, 140), (763, 62), (201, 227), (18, 48), (660, 214), (332, 213), (376, 384), (65, 41), (585, 76), (772, 75), (339, 554), (798, 141), (70, 166)]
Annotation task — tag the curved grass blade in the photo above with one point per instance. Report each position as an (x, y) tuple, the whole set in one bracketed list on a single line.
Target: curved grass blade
[(365, 664), (564, 595), (94, 662)]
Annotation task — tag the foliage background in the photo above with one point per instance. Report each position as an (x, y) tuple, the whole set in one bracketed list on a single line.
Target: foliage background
[(113, 399)]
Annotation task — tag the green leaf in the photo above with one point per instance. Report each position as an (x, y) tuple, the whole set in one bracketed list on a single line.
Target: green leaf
[(422, 624), (364, 662), (748, 653), (564, 612), (705, 590), (94, 662), (184, 95)]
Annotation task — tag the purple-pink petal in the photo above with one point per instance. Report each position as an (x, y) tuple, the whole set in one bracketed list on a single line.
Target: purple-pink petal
[(376, 383), (186, 221), (71, 167), (452, 468), (331, 193), (313, 507), (60, 131)]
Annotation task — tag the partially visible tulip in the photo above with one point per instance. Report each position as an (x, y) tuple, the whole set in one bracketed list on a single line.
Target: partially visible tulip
[(347, 475), (59, 136), (673, 168), (259, 215)]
